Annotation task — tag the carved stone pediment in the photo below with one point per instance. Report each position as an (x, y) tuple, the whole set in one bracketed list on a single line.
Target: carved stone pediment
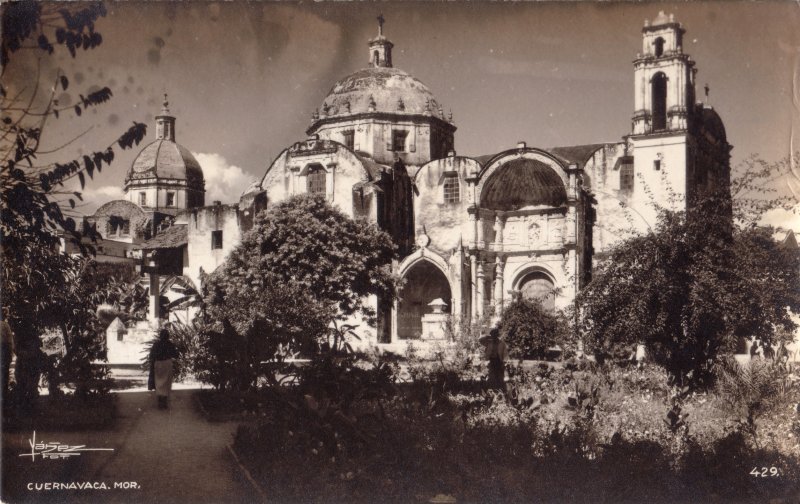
[(312, 147)]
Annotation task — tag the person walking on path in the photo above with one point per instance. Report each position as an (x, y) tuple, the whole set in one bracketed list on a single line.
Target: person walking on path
[(161, 367), (496, 353)]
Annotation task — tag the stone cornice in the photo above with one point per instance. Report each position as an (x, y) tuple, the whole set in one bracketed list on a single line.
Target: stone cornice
[(666, 58), (385, 116)]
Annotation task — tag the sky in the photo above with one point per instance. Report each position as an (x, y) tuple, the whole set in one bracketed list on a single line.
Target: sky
[(244, 78)]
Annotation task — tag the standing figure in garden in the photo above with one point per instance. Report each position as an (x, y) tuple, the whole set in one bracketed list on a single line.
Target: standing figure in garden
[(496, 353), (161, 368)]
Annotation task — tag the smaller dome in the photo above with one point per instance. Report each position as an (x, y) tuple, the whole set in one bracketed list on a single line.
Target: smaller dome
[(712, 123), (166, 159)]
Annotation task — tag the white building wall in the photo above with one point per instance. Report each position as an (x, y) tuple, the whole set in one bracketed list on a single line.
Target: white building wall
[(201, 223), (653, 188)]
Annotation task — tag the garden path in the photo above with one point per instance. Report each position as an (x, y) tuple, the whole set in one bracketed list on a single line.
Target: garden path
[(172, 456)]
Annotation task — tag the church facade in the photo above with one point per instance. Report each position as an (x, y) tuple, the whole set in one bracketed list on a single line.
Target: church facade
[(472, 232)]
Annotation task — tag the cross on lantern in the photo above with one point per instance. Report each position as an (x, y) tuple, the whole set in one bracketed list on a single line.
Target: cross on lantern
[(381, 20)]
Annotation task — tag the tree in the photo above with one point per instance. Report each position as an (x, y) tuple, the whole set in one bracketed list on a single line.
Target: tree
[(303, 266), (690, 289), (37, 211), (529, 329)]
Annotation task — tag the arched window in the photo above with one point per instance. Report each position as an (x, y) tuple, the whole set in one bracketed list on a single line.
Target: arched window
[(538, 286), (376, 58), (659, 43), (626, 176), (452, 189), (659, 101), (316, 180)]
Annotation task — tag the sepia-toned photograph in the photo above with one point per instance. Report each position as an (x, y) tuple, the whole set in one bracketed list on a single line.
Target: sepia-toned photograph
[(401, 252)]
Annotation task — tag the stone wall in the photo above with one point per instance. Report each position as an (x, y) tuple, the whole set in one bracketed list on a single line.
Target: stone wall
[(202, 223)]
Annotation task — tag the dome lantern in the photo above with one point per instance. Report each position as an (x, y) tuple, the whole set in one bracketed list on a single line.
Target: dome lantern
[(165, 123), (165, 176), (380, 48)]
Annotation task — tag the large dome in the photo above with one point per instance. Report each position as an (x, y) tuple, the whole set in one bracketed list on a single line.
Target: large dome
[(380, 89), (166, 159)]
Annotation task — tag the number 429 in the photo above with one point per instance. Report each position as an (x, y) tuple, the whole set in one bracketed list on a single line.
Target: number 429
[(764, 472)]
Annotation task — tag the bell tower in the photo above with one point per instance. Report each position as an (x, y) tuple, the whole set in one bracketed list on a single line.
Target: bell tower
[(664, 79), (662, 139)]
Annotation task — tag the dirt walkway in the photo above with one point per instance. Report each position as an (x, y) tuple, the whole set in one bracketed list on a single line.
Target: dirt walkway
[(166, 456)]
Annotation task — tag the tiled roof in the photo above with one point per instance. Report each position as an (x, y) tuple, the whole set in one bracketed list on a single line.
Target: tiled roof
[(576, 153), (173, 237), (482, 160), (373, 168), (572, 154)]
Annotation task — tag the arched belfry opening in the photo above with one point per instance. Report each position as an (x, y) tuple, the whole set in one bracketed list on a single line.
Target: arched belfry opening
[(659, 43), (659, 101), (424, 282)]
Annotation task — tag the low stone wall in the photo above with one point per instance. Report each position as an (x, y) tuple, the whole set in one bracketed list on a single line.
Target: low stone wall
[(127, 345)]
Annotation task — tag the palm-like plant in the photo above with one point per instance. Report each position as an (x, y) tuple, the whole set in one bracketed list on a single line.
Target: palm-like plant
[(751, 389)]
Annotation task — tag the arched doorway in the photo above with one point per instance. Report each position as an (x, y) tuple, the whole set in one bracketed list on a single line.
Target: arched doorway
[(424, 282), (538, 286)]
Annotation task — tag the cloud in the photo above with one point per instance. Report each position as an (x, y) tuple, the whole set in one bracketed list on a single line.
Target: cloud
[(784, 219), (224, 182), (94, 197)]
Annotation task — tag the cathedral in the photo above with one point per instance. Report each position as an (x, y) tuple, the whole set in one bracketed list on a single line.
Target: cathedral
[(472, 232)]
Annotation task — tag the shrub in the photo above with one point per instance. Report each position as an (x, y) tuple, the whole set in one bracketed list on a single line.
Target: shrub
[(750, 390), (529, 329)]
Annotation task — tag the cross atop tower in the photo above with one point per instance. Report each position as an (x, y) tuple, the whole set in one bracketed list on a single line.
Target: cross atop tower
[(165, 105), (381, 20)]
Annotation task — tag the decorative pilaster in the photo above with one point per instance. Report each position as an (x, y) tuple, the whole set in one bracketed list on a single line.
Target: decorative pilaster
[(331, 181), (499, 267), (480, 290), (473, 229), (571, 225), (473, 271)]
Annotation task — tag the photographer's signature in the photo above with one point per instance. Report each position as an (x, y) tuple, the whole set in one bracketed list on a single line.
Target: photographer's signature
[(56, 450)]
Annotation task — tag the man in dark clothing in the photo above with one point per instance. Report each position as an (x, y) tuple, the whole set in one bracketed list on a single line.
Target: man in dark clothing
[(161, 367), (496, 353)]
